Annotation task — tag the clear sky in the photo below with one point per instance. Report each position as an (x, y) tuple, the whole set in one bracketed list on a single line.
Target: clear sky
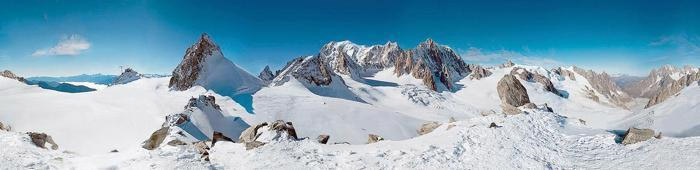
[(55, 37)]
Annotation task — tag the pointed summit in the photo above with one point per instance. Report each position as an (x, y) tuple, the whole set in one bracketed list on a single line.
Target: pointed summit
[(204, 65), (266, 75), (127, 76)]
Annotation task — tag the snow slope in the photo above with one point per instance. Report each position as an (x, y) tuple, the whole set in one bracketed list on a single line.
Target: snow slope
[(536, 140), (678, 116), (117, 117)]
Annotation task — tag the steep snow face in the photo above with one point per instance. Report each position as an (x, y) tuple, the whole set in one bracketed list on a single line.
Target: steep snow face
[(678, 116), (127, 76), (204, 65), (99, 121)]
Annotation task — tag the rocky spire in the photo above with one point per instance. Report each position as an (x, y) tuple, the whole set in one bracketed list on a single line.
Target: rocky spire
[(266, 75), (205, 65)]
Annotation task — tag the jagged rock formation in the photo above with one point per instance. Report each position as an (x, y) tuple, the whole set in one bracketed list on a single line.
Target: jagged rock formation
[(511, 92), (372, 138), (40, 140), (266, 75), (436, 65), (657, 80), (564, 73), (127, 76), (259, 135), (634, 135), (603, 84), (204, 65), (477, 71), (428, 127), (9, 74), (507, 64), (673, 88), (311, 70), (529, 76)]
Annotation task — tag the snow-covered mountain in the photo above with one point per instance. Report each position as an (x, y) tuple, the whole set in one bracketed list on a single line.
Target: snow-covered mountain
[(659, 79), (127, 76), (204, 65), (354, 94)]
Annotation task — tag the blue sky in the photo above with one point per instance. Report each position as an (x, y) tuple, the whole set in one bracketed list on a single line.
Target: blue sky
[(75, 37)]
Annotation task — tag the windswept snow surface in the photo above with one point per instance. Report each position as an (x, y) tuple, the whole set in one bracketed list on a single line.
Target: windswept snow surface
[(118, 117), (535, 140), (678, 116)]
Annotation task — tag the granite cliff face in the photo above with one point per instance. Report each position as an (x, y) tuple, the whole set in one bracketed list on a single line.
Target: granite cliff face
[(204, 65), (673, 88), (9, 74), (657, 80), (436, 65), (266, 75)]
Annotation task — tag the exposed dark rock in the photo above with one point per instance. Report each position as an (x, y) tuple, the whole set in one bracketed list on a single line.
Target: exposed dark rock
[(280, 130), (40, 140), (493, 125), (673, 88), (526, 75), (9, 74), (564, 73), (114, 151), (266, 75), (511, 92), (203, 149), (127, 76), (507, 64), (604, 84), (323, 139), (530, 106), (477, 71), (510, 110), (218, 136), (374, 138), (5, 127), (253, 145)]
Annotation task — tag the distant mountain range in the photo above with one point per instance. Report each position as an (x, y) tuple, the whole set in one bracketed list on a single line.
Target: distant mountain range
[(92, 78)]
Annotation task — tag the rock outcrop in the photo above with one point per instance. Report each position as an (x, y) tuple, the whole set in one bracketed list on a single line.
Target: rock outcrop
[(657, 80), (436, 65), (604, 84), (526, 75), (372, 138), (9, 74), (259, 135), (634, 135), (672, 89), (127, 76), (323, 139), (564, 73), (428, 127), (266, 75), (511, 92), (507, 64), (204, 65), (40, 140), (5, 127), (312, 70), (156, 138)]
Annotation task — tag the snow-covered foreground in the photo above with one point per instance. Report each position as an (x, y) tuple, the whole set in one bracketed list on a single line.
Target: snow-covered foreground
[(118, 117), (538, 139)]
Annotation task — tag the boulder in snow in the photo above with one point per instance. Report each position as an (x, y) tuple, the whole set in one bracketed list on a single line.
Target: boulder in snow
[(263, 133), (5, 127), (156, 138), (40, 140), (634, 135), (323, 139), (428, 127), (511, 92), (372, 138), (510, 110)]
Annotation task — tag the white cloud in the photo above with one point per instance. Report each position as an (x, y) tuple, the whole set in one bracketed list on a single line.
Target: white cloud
[(67, 46), (478, 55)]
